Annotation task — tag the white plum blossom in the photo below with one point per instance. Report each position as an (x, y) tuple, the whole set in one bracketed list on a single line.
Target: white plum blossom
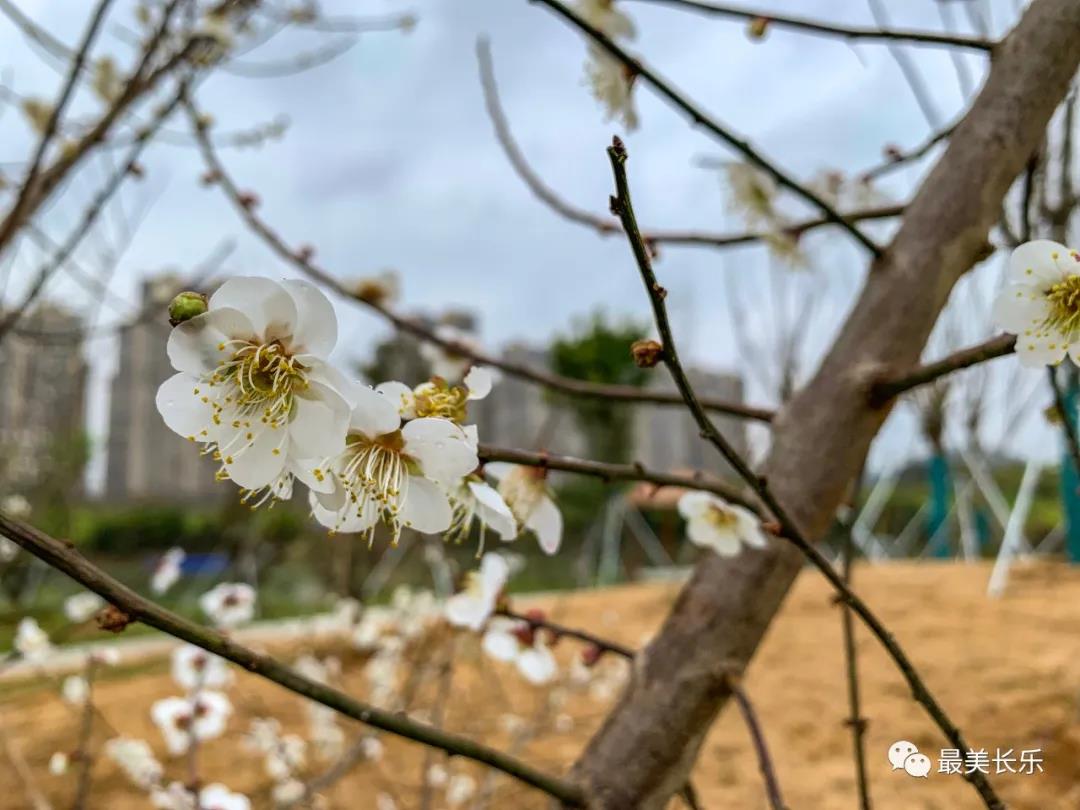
[(31, 642), (476, 501), (167, 570), (715, 524), (16, 506), (516, 642), (443, 361), (58, 763), (288, 792), (229, 604), (460, 789), (136, 759), (253, 383), (1041, 305), (603, 15), (525, 491), (193, 668), (612, 84), (475, 603), (219, 797), (390, 472), (75, 690), (752, 194), (82, 606), (372, 748), (201, 717)]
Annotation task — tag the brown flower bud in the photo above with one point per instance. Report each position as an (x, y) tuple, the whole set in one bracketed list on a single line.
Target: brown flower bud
[(758, 28), (113, 620), (591, 654), (646, 353)]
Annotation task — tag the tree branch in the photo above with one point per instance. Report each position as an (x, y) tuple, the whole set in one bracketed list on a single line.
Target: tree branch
[(565, 385), (788, 529), (884, 390), (765, 762), (847, 32), (714, 127), (65, 558), (561, 630), (606, 225)]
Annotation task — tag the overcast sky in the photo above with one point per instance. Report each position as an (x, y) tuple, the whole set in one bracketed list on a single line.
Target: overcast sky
[(390, 161)]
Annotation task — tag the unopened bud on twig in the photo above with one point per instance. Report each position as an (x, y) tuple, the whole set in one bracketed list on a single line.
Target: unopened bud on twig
[(113, 620), (186, 306), (646, 353)]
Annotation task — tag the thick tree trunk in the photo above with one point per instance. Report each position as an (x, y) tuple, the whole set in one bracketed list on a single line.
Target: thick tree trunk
[(646, 747)]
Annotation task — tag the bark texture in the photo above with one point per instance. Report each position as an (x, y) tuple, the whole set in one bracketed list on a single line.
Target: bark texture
[(643, 753)]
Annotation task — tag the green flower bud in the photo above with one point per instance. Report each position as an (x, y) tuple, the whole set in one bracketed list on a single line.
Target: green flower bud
[(186, 306)]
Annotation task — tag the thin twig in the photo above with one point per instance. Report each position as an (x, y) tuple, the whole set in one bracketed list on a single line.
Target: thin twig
[(884, 390), (897, 160), (89, 217), (787, 528), (1068, 420), (16, 214), (765, 763), (65, 558), (847, 32), (606, 225), (83, 755), (565, 385), (856, 721), (607, 471), (713, 126), (569, 632)]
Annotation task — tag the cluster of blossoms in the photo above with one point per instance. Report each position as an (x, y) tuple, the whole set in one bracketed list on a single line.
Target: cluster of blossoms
[(611, 81), (283, 755), (255, 388)]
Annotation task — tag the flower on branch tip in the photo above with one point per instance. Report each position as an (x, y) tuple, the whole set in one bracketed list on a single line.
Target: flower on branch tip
[(81, 607), (182, 720), (193, 668), (473, 605), (518, 642), (75, 690), (476, 501), (136, 759), (380, 290), (253, 383), (1041, 304), (167, 571), (389, 471), (525, 491), (31, 642), (715, 524), (229, 604), (612, 84)]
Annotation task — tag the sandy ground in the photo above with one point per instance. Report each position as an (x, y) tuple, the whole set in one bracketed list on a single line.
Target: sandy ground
[(1008, 671)]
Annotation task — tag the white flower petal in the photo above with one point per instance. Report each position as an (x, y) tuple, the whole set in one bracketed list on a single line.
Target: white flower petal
[(196, 346), (723, 541), (1020, 307), (500, 644), (696, 503), (425, 507), (182, 409), (479, 381), (1040, 350), (256, 462), (319, 422), (316, 322), (498, 470), (537, 664), (441, 449), (466, 610), (493, 510), (1042, 263), (271, 309), (401, 395), (373, 414), (546, 521)]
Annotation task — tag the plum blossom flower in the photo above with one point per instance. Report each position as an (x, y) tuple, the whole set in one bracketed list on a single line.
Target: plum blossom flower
[(1041, 305), (603, 15), (715, 524), (167, 571), (75, 690), (136, 759), (202, 717), (525, 491), (193, 668), (479, 502), (31, 642), (516, 642), (58, 763), (229, 604), (178, 796), (253, 383), (288, 792), (612, 84), (752, 193), (82, 606), (460, 789), (390, 472), (16, 506), (443, 361), (473, 606)]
